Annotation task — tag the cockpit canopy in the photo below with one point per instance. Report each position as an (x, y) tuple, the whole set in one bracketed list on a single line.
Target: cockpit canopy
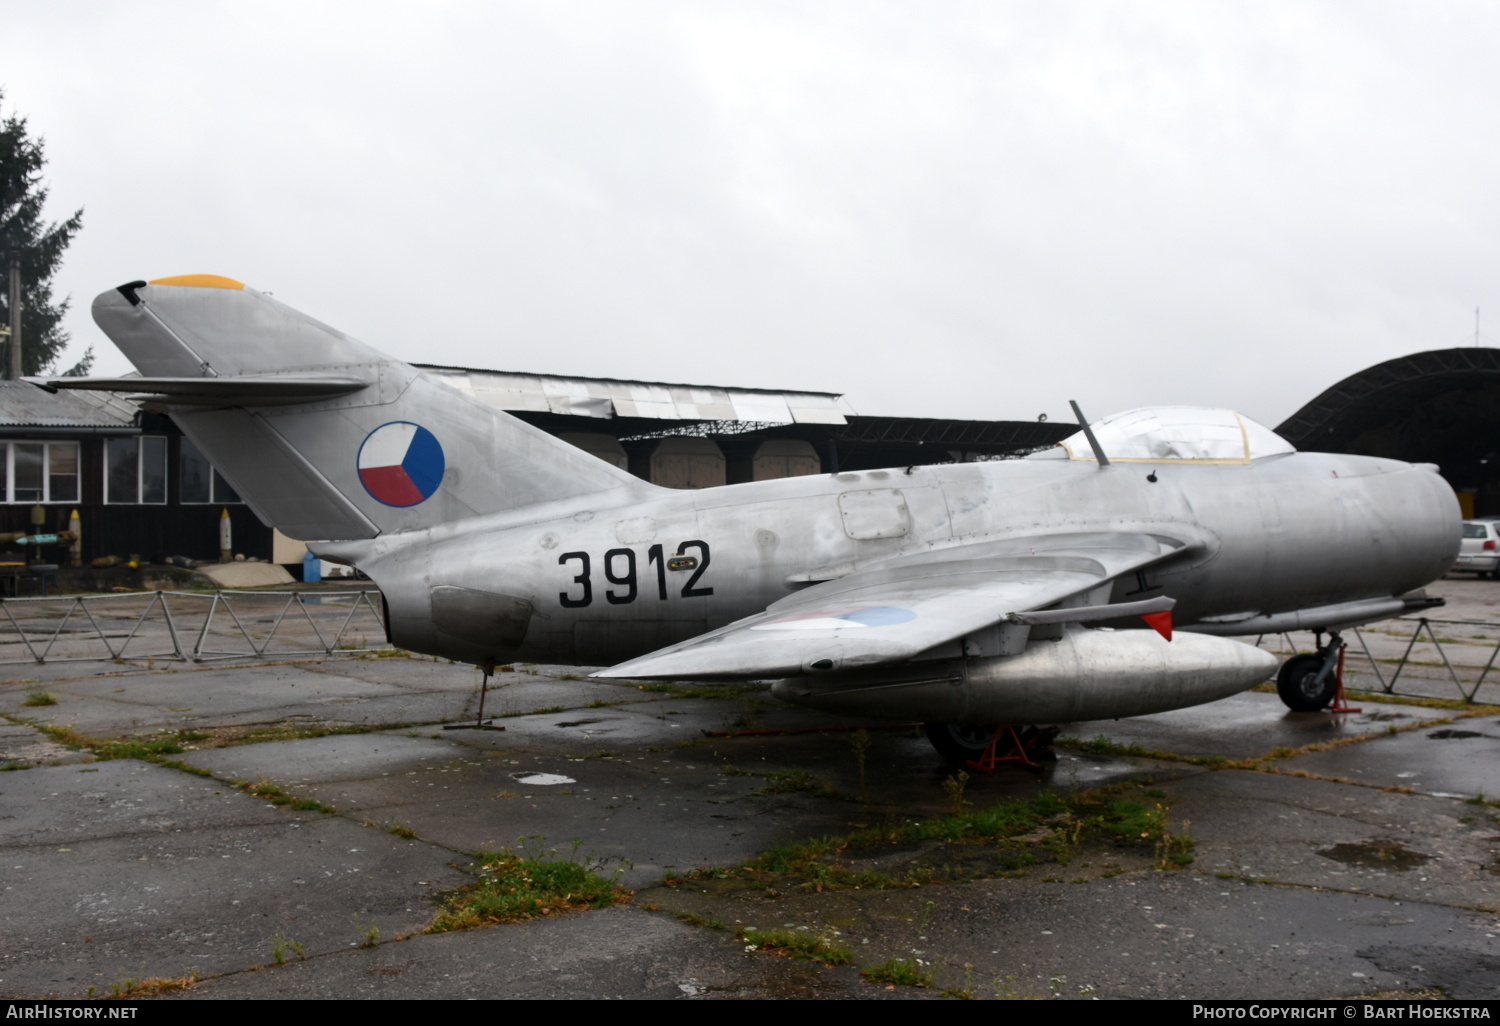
[(1196, 434)]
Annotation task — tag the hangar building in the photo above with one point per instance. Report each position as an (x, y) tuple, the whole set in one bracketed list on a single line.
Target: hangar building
[(1441, 407)]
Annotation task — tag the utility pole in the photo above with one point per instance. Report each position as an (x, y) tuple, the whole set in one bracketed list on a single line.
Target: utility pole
[(13, 367)]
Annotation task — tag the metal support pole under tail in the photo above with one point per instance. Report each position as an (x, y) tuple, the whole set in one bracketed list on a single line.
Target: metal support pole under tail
[(480, 723), (1088, 433)]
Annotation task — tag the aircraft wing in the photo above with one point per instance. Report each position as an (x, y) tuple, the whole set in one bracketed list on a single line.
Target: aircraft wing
[(889, 611)]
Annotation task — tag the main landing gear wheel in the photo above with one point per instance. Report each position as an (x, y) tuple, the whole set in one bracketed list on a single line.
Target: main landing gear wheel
[(1298, 683), (959, 743), (962, 744)]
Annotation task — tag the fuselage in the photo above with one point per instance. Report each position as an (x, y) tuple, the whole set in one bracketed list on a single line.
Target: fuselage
[(601, 579)]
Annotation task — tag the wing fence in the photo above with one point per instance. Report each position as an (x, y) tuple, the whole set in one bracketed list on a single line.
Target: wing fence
[(191, 626)]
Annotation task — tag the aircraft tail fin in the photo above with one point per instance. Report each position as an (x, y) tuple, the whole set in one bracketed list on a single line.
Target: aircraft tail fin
[(323, 436)]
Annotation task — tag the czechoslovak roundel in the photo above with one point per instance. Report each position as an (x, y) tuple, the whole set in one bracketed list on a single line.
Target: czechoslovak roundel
[(401, 463)]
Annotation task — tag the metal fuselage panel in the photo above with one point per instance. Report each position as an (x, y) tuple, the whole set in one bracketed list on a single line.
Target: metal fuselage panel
[(606, 581)]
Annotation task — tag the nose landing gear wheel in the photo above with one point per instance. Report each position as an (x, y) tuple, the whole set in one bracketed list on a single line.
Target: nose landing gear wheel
[(1299, 687)]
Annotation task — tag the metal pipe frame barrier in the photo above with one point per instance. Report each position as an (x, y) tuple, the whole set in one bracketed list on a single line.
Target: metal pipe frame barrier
[(1421, 625), (83, 609), (79, 609)]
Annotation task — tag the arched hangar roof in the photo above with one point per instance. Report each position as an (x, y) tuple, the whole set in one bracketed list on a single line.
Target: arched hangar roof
[(1438, 407)]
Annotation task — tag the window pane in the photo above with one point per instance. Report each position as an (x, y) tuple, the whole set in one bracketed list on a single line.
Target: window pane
[(121, 470), (196, 474), (222, 491), (62, 472), (153, 470), (28, 471)]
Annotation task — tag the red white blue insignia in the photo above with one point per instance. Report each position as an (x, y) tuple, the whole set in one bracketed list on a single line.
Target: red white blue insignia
[(401, 463)]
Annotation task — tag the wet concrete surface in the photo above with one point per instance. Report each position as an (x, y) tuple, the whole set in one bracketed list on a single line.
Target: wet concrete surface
[(1459, 759), (1239, 727), (1335, 855), (611, 953)]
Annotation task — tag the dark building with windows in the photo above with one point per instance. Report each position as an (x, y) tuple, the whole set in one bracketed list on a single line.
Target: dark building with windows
[(139, 487)]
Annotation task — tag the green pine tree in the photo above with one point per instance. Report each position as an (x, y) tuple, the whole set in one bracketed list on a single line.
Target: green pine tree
[(39, 245)]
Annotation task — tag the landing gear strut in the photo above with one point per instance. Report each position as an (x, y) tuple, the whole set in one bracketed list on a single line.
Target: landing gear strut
[(1313, 681)]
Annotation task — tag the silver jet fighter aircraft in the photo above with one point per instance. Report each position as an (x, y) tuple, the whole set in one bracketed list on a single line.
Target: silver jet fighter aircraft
[(963, 595)]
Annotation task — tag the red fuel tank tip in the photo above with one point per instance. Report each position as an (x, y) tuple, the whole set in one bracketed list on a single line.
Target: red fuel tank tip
[(1161, 622)]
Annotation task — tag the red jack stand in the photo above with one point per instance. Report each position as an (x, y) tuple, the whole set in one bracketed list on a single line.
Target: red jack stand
[(1018, 749), (1340, 703)]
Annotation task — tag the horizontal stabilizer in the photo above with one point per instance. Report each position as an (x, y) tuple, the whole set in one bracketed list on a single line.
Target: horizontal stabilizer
[(248, 390)]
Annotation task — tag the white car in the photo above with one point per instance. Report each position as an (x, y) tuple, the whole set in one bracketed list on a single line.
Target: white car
[(1480, 551)]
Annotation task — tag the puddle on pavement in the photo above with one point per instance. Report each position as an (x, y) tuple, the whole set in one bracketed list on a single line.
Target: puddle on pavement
[(542, 779), (1454, 735), (1376, 854)]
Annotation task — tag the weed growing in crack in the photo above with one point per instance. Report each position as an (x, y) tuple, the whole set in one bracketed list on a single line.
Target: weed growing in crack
[(954, 787), (803, 944), (37, 696), (526, 883), (280, 944), (1174, 851), (146, 987), (277, 795), (966, 992), (898, 972), (369, 935), (859, 742)]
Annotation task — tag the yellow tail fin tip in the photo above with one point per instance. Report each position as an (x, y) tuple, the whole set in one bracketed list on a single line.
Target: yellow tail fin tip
[(202, 281)]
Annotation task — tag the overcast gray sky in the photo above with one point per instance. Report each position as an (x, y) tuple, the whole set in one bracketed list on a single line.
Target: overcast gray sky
[(957, 209)]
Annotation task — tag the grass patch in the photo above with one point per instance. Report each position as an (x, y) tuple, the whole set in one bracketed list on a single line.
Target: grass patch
[(803, 944), (995, 841), (225, 737), (37, 696), (693, 919), (129, 988), (898, 972), (277, 795), (149, 747), (790, 782), (517, 885)]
